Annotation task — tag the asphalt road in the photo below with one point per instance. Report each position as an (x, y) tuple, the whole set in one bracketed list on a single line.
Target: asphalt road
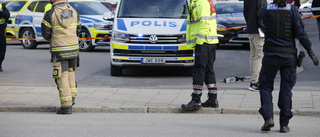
[(33, 67), (148, 125)]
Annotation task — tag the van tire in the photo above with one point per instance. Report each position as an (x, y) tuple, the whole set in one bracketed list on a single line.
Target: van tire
[(115, 71), (28, 44), (85, 44)]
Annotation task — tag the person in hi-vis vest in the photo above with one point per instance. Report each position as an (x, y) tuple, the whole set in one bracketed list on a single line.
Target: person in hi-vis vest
[(201, 34)]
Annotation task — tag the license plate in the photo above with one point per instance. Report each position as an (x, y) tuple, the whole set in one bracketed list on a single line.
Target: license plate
[(153, 60), (242, 35)]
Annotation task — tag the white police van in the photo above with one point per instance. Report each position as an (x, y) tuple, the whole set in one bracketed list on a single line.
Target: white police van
[(150, 33), (95, 29)]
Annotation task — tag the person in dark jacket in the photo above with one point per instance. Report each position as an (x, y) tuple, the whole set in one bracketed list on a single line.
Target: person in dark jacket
[(4, 16), (316, 4), (250, 12), (283, 24)]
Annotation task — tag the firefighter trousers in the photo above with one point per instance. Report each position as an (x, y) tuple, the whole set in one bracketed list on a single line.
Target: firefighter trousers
[(203, 71), (65, 81)]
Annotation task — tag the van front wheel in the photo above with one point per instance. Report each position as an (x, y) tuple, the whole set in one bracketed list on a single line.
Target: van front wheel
[(115, 71)]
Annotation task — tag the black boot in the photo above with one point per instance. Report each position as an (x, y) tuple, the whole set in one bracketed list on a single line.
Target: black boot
[(212, 101), (194, 104), (73, 100), (65, 110)]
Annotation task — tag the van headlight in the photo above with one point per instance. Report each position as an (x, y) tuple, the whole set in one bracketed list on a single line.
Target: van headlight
[(122, 37)]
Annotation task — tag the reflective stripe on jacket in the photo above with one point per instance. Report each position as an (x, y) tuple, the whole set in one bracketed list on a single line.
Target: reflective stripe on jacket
[(202, 24)]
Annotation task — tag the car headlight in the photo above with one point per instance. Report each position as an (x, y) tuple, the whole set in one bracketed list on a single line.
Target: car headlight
[(102, 26), (122, 37)]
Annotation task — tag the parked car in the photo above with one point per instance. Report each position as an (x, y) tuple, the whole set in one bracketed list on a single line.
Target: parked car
[(14, 7), (92, 14), (110, 4), (306, 5), (230, 14)]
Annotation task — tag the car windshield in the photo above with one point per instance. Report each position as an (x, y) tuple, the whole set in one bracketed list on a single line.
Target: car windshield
[(89, 8), (15, 6), (227, 8), (153, 9)]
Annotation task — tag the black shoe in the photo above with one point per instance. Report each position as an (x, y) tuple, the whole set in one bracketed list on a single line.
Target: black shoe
[(73, 100), (1, 69), (253, 86), (284, 129), (194, 104), (268, 124), (65, 110)]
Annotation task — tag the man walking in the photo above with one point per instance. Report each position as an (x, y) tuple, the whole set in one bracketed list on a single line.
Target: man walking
[(283, 24), (250, 12), (60, 26)]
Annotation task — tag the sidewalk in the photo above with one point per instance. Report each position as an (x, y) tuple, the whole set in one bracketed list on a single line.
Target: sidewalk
[(126, 100)]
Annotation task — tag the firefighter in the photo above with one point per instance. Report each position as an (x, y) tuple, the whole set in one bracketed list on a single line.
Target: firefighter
[(4, 16), (60, 26), (201, 34), (283, 24)]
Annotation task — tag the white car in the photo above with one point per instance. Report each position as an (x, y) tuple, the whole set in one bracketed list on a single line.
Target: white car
[(95, 27), (306, 5)]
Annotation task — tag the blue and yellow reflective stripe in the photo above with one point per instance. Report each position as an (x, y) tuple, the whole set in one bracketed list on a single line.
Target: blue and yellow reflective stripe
[(66, 48)]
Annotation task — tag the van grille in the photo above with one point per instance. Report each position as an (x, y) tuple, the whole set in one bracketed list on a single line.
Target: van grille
[(162, 39)]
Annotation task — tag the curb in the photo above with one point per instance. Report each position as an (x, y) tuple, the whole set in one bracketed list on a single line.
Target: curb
[(150, 110)]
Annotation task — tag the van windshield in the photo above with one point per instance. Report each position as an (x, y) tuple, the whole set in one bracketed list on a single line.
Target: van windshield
[(153, 9)]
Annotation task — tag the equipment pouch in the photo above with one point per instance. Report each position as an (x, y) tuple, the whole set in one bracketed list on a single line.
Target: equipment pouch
[(300, 58), (57, 70)]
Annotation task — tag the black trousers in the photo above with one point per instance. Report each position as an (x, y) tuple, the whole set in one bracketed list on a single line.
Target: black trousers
[(3, 46), (270, 66), (203, 72)]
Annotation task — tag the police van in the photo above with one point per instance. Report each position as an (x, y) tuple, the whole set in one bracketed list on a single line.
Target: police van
[(95, 29), (150, 33)]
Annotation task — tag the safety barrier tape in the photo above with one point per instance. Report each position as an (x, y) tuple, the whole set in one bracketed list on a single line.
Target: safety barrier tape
[(220, 29), (44, 39)]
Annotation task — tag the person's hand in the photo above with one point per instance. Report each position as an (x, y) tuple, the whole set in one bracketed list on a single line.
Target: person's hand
[(313, 57)]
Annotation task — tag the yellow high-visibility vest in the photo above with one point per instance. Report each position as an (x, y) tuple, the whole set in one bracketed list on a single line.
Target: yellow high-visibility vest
[(202, 24)]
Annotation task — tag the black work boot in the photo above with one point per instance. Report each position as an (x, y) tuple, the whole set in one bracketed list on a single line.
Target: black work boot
[(212, 101), (65, 110), (73, 100), (194, 104)]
